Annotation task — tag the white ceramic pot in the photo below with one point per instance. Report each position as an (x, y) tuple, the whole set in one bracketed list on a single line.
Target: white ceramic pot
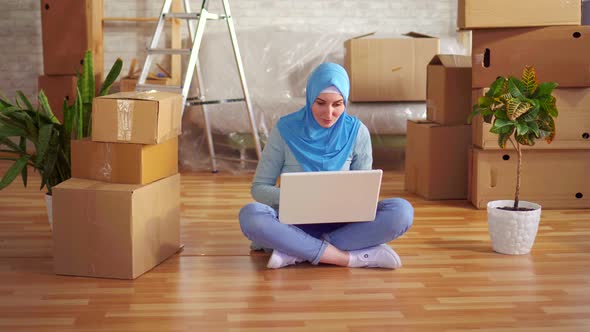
[(513, 232), (49, 206)]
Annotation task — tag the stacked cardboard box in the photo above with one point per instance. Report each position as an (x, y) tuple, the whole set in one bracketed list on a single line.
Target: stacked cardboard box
[(436, 149), (554, 43), (119, 214), (389, 69), (69, 28)]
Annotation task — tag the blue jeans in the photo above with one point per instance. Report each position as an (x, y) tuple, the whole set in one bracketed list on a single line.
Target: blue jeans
[(260, 224)]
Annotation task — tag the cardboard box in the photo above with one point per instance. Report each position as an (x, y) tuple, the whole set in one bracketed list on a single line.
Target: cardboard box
[(128, 84), (555, 179), (522, 13), (69, 28), (572, 125), (149, 117), (114, 230), (448, 100), (57, 88), (123, 162), (389, 69), (465, 40), (436, 160), (559, 54)]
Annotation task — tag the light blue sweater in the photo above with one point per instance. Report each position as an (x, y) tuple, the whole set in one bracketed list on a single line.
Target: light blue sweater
[(277, 158)]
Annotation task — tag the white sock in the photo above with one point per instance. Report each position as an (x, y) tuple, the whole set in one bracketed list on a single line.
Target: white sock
[(279, 259), (378, 256)]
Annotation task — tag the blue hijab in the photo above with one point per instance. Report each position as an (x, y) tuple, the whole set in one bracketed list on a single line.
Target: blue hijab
[(317, 148)]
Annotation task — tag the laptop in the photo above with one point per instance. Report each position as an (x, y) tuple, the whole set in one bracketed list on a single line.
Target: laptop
[(329, 197)]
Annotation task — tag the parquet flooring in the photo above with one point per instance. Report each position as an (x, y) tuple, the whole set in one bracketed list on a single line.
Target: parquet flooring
[(451, 279)]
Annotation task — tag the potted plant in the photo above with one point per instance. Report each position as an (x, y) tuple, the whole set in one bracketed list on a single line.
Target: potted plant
[(50, 137), (520, 111)]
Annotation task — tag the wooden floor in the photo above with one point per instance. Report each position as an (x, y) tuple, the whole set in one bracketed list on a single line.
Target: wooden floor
[(451, 279)]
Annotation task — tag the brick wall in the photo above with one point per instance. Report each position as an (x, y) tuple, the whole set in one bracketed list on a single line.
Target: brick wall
[(20, 26)]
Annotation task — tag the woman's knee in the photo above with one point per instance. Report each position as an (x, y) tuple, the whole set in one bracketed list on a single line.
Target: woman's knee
[(400, 214), (253, 216)]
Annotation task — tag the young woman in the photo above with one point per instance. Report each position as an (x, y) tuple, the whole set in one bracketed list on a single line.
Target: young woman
[(321, 137)]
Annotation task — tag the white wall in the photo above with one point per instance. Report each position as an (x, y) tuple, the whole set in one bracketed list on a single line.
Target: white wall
[(20, 26)]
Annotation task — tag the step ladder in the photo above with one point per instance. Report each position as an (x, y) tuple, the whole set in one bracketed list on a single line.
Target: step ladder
[(196, 33)]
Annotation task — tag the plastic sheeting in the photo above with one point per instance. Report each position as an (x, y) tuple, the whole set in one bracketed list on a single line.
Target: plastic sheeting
[(277, 63)]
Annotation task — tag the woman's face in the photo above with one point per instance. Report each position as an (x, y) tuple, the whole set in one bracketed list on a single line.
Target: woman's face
[(327, 108)]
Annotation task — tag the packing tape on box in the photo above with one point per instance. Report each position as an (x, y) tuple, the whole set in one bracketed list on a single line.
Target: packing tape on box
[(147, 95), (125, 109), (106, 170)]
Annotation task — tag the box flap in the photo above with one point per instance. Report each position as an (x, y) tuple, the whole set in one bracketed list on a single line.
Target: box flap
[(140, 95), (414, 34), (411, 34), (364, 35), (451, 60)]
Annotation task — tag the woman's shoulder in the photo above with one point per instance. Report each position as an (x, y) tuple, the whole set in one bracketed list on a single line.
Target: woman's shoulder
[(363, 131)]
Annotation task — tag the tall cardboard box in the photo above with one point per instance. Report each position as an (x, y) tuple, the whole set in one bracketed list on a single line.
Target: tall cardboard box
[(124, 162), (114, 230), (448, 101), (58, 88), (436, 160), (521, 13), (69, 28), (572, 125), (559, 54), (555, 179), (149, 117), (389, 69)]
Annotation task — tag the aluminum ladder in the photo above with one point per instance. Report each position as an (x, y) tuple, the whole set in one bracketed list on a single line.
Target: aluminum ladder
[(196, 34)]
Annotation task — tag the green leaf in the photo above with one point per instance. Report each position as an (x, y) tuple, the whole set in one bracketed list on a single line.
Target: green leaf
[(503, 138), (13, 172), (549, 125), (44, 138), (86, 79), (477, 110), (496, 88), (547, 104), (45, 105), (79, 115), (501, 130), (68, 112), (545, 89), (521, 128), (10, 144), (534, 127), (501, 123), (111, 77), (25, 100), (23, 146), (87, 128), (6, 131), (516, 87), (51, 158), (525, 140)]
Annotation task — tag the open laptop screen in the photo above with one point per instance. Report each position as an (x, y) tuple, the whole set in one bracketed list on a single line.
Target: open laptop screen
[(329, 197)]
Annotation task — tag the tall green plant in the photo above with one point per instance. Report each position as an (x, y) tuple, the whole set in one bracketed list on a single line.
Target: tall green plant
[(521, 111), (41, 127)]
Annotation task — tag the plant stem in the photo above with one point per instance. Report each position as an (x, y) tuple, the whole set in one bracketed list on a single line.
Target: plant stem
[(519, 165)]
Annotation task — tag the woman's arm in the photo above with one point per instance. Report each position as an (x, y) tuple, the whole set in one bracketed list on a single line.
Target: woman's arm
[(264, 189), (362, 154)]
